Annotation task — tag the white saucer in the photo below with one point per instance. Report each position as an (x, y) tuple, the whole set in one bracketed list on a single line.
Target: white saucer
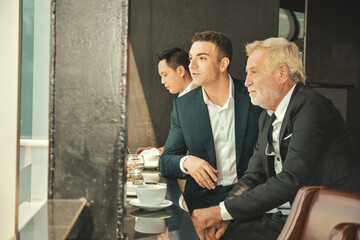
[(153, 215), (136, 203)]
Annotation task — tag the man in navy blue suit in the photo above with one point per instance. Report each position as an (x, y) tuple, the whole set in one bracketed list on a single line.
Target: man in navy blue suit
[(216, 124)]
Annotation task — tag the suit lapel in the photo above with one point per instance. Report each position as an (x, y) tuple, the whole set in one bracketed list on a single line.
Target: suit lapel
[(286, 117), (242, 104), (202, 120)]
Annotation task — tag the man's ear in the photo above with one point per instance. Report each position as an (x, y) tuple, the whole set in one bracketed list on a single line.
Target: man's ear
[(224, 64), (284, 72), (181, 70)]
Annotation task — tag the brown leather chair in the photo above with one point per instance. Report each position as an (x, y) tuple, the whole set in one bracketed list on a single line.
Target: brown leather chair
[(316, 210), (345, 231)]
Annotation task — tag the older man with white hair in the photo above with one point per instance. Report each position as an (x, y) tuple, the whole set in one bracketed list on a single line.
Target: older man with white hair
[(302, 141)]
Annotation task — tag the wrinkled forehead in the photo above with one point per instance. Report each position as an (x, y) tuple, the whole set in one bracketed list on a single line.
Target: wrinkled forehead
[(256, 59)]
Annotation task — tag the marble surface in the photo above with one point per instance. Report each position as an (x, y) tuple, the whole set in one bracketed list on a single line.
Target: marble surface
[(55, 220)]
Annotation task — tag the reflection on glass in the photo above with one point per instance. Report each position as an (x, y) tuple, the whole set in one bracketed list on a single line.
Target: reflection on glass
[(285, 23), (35, 54), (291, 27)]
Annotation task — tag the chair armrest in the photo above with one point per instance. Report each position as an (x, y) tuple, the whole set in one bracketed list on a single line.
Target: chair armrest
[(345, 231)]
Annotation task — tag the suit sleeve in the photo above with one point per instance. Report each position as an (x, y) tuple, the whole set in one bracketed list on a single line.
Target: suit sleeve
[(175, 148), (312, 121)]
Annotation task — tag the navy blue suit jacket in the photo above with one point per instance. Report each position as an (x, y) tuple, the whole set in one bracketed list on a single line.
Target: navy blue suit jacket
[(191, 132)]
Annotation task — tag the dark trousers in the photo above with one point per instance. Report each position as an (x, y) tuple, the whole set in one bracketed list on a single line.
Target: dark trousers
[(267, 227), (208, 198)]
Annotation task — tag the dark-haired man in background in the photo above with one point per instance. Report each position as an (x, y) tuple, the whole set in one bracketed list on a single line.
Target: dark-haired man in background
[(173, 69)]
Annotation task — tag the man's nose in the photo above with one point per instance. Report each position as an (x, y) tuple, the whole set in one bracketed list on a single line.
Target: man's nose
[(162, 80), (247, 80), (192, 64)]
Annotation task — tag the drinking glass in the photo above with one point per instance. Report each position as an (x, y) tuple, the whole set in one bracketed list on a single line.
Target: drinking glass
[(135, 164)]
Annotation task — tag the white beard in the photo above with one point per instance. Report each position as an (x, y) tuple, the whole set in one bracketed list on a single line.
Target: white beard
[(268, 97)]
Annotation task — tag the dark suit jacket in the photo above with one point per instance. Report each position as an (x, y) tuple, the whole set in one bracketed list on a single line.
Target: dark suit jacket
[(191, 131), (315, 149)]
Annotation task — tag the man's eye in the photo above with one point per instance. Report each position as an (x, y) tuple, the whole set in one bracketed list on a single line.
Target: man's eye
[(202, 58)]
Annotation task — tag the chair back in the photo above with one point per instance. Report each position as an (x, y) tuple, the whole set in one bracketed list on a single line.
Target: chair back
[(316, 210)]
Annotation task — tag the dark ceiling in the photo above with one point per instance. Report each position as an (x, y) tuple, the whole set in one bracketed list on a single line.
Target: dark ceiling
[(293, 5)]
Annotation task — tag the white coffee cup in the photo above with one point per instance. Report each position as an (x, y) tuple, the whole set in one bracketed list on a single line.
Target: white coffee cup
[(152, 195), (151, 158)]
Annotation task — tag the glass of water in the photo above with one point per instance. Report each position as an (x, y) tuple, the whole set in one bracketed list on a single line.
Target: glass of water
[(135, 164)]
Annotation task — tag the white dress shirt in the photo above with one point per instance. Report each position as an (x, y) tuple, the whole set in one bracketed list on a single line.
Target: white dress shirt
[(187, 89), (222, 120), (279, 113)]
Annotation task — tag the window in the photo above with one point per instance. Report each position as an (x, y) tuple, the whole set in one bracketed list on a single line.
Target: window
[(291, 24), (34, 107), (291, 27)]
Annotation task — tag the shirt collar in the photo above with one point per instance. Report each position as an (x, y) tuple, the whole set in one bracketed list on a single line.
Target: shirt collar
[(186, 90), (281, 109), (231, 93)]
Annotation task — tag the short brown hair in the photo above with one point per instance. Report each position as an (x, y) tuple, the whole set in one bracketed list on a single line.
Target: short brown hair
[(221, 41)]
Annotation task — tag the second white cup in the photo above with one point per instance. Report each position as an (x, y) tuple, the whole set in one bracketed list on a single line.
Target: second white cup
[(151, 194)]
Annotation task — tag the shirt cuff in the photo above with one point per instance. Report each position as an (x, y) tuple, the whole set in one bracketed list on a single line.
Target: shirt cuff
[(182, 164), (224, 213), (181, 198)]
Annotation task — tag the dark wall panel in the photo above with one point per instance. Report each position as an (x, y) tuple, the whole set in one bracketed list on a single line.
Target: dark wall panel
[(173, 23), (333, 42), (332, 56), (88, 115)]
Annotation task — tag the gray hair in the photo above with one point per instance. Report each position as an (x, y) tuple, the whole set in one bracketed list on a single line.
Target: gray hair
[(280, 51)]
